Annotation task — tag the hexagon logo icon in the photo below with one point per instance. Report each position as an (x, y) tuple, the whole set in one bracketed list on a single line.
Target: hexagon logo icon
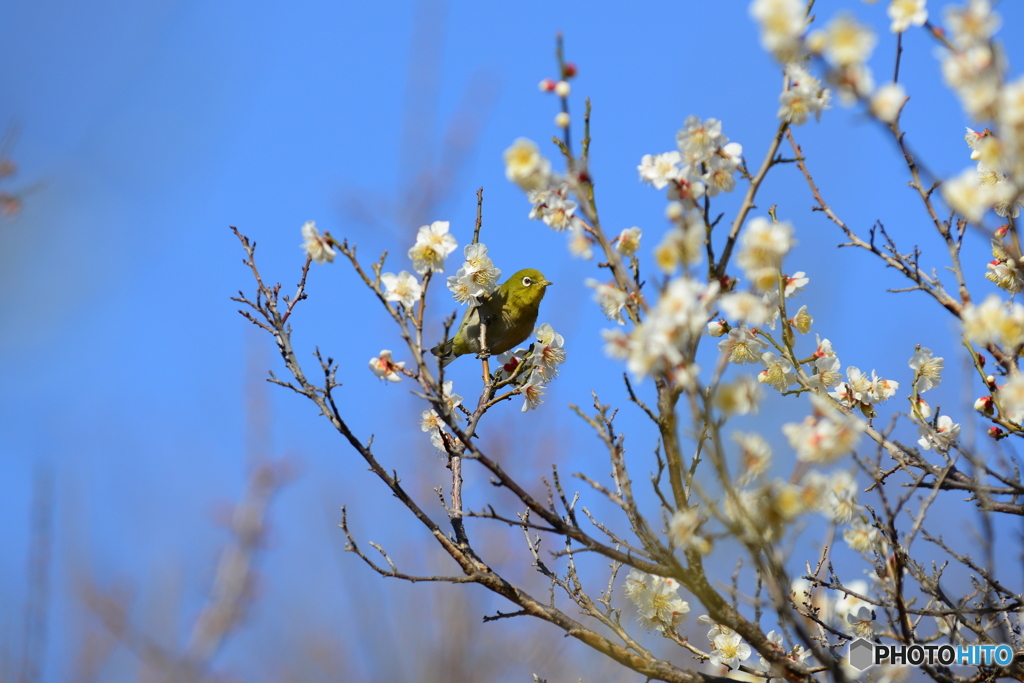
[(861, 654)]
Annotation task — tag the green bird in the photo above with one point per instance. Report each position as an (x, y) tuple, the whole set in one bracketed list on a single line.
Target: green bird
[(509, 314)]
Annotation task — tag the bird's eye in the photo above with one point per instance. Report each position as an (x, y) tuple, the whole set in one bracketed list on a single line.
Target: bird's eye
[(527, 281)]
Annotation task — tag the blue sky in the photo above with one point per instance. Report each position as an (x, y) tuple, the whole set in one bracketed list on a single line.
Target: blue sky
[(152, 127)]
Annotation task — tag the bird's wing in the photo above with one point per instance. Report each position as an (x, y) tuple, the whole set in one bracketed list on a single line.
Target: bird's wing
[(489, 309)]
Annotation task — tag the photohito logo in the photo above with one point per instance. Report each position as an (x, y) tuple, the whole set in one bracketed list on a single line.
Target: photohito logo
[(864, 653)]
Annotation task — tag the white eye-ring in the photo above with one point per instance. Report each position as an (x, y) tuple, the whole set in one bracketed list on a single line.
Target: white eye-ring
[(527, 281)]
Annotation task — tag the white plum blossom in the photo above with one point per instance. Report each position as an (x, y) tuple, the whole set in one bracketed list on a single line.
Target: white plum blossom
[(548, 352), (965, 195), (611, 299), (742, 346), (716, 629), (862, 622), (755, 455), (976, 73), (827, 367), (744, 307), (824, 436), (385, 368), (698, 139), (796, 282), (845, 604), (973, 23), (533, 391), (672, 326), (927, 370), (804, 96), (845, 42), (403, 288), (477, 278), (858, 389), (1011, 398), (453, 401), (763, 245), (1006, 274), (432, 423), (721, 169), (657, 601), (552, 207), (628, 241), (525, 166), (887, 102), (580, 244), (778, 372), (940, 436), (994, 322), (729, 650), (433, 244), (738, 397), (661, 169), (683, 244), (840, 501), (683, 196), (683, 529), (775, 641), (907, 13), (318, 246), (861, 536), (782, 24), (881, 389), (802, 320)]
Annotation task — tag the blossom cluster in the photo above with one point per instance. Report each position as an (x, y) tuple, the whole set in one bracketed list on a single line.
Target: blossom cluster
[(704, 164), (1006, 270), (476, 278), (432, 423), (548, 194), (663, 342), (728, 648), (761, 513), (537, 366), (825, 435), (433, 244), (657, 600), (939, 433)]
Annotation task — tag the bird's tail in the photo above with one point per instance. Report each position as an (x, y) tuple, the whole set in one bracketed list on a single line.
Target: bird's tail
[(444, 352)]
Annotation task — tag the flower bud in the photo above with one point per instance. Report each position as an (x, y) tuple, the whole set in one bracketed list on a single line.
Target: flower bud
[(716, 328), (547, 85), (562, 89), (922, 410), (569, 70), (996, 433), (562, 120), (985, 406)]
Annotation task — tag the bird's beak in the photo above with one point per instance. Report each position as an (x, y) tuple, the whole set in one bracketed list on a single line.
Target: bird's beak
[(548, 282)]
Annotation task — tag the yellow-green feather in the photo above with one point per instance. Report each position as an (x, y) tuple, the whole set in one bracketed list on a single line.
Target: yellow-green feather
[(510, 314)]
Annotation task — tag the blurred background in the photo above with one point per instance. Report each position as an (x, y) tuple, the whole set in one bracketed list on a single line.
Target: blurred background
[(160, 501)]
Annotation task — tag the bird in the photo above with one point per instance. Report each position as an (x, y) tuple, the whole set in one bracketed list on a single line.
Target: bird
[(509, 315)]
